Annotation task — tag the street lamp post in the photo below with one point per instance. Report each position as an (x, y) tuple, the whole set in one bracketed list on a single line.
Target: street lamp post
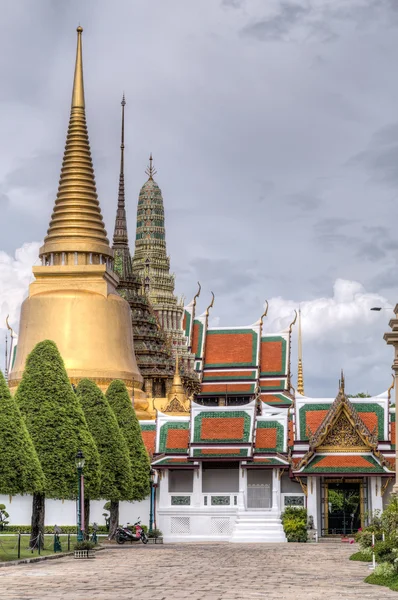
[(151, 506), (80, 460), (392, 339)]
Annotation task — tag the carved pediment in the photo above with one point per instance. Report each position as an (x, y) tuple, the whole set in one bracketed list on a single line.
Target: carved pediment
[(343, 435), (175, 406)]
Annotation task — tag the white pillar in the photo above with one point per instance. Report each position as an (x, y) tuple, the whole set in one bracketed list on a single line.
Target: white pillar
[(276, 491), (376, 499), (312, 500), (163, 487), (196, 499), (242, 498)]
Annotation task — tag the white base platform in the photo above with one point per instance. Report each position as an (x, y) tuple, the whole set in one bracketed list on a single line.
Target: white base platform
[(257, 527)]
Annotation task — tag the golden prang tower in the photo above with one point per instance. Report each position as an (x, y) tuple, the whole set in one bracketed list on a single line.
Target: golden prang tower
[(73, 300)]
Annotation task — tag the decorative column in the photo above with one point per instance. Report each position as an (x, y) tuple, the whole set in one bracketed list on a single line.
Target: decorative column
[(376, 499), (312, 500), (392, 339), (197, 487), (276, 491), (242, 498)]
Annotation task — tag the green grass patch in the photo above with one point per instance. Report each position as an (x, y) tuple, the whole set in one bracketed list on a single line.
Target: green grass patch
[(390, 582), (361, 556), (9, 546)]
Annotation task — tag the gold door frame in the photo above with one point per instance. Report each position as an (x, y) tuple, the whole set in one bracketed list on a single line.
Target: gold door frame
[(362, 481)]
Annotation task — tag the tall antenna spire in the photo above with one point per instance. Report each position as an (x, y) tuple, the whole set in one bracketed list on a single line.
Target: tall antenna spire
[(76, 223), (120, 237), (300, 376), (151, 171)]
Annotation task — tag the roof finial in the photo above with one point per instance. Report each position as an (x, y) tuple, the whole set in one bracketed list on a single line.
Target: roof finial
[(78, 86), (300, 376), (151, 171), (342, 383), (120, 236)]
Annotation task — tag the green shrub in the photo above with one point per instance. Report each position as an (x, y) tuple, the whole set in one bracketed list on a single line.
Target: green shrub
[(294, 522), (384, 569), (364, 555), (49, 529), (85, 545), (364, 538), (389, 518), (387, 551), (155, 533)]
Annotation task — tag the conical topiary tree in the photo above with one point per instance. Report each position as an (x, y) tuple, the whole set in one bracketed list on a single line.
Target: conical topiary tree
[(116, 474), (20, 469), (56, 423), (120, 402)]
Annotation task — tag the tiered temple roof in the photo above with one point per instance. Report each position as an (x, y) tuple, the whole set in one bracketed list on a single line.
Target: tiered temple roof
[(347, 436), (153, 356), (151, 266)]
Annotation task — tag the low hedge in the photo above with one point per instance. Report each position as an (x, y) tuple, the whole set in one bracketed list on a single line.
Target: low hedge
[(49, 529)]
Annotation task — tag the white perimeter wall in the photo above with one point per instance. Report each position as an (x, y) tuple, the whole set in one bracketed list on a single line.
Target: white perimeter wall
[(64, 513)]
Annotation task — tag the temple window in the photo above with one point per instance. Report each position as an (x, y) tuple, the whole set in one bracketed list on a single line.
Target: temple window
[(218, 477), (181, 481)]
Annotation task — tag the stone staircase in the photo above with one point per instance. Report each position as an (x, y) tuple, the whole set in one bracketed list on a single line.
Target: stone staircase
[(253, 526)]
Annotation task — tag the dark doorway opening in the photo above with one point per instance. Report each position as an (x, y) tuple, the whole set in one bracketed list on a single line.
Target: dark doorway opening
[(343, 508)]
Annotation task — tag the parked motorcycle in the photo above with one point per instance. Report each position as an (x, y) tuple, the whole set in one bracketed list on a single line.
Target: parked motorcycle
[(125, 534)]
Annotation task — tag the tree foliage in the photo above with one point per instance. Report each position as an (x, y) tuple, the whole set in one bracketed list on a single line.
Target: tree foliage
[(116, 474), (20, 469), (56, 423), (121, 405)]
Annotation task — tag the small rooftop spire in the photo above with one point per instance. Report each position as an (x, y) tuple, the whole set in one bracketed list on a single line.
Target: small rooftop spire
[(151, 171), (300, 376), (78, 85), (120, 237), (342, 383)]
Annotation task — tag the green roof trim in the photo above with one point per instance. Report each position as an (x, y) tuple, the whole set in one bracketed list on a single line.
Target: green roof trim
[(235, 453), (284, 400), (236, 414), (280, 431), (164, 430), (360, 408), (254, 335), (147, 426), (276, 338), (374, 466), (209, 376)]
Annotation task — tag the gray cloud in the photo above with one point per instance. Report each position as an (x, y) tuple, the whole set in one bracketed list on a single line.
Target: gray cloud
[(252, 145), (277, 26)]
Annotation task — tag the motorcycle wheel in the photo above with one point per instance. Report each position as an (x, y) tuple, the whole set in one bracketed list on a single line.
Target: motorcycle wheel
[(120, 539), (144, 538)]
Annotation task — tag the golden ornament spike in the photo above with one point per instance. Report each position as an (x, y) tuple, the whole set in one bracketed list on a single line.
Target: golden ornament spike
[(300, 376), (76, 223), (150, 171)]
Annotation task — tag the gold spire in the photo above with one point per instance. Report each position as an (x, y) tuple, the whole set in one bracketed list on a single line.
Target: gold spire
[(151, 171), (300, 376), (76, 223)]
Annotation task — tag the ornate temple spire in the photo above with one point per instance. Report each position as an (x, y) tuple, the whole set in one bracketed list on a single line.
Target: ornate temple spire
[(76, 222), (150, 171), (120, 237), (300, 376)]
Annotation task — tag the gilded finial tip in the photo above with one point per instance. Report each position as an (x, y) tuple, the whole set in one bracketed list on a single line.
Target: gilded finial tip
[(79, 29), (123, 100)]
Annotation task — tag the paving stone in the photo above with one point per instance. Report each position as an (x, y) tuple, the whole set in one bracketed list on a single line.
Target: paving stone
[(198, 572)]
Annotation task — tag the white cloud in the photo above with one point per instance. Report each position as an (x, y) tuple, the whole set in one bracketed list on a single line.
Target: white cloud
[(15, 276), (339, 331)]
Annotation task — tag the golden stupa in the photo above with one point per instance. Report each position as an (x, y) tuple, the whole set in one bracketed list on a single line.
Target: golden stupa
[(73, 300)]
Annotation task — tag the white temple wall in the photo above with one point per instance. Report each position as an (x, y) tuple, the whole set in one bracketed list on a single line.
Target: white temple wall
[(374, 490), (64, 512)]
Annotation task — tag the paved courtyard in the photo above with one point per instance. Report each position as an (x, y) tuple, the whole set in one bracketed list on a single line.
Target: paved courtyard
[(197, 572)]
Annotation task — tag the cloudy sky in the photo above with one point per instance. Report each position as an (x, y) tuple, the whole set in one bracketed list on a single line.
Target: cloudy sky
[(274, 130)]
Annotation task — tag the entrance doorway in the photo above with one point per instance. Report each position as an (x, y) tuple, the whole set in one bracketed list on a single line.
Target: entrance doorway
[(259, 489), (343, 506)]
